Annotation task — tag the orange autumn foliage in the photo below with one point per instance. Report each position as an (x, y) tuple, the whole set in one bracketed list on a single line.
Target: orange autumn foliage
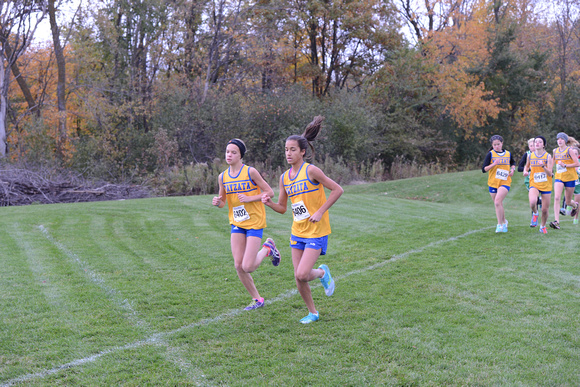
[(39, 69), (453, 50)]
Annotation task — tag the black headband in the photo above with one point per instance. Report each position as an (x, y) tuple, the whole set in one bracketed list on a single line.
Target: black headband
[(240, 145), (543, 139)]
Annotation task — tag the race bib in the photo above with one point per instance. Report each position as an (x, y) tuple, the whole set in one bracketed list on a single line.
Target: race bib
[(560, 169), (240, 214), (300, 211), (501, 174), (540, 177)]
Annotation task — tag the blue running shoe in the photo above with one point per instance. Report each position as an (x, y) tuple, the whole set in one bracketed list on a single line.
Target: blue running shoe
[(310, 318), (498, 228), (543, 230), (274, 253), (256, 303), (327, 281), (534, 222)]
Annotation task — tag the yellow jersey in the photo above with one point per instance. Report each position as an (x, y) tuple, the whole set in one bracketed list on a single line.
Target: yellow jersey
[(500, 174), (306, 198), (562, 173), (538, 176), (250, 215)]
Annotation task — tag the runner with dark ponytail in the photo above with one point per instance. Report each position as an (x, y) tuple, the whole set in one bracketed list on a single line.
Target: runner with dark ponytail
[(304, 185)]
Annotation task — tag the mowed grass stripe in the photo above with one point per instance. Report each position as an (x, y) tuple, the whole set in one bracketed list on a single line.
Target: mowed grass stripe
[(55, 309), (172, 353), (476, 310), (159, 338)]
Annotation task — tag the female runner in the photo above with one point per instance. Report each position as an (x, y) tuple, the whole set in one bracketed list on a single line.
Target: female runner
[(501, 166), (539, 167), (566, 161), (522, 164), (241, 187), (577, 188), (304, 184)]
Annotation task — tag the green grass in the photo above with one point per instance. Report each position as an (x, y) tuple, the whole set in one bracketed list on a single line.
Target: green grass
[(144, 292)]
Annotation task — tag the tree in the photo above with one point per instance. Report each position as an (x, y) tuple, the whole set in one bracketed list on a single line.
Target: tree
[(61, 82), (340, 42), (566, 26), (18, 22)]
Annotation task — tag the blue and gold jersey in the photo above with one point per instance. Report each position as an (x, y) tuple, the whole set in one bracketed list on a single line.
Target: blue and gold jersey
[(245, 215), (306, 198), (562, 173), (538, 176), (500, 174)]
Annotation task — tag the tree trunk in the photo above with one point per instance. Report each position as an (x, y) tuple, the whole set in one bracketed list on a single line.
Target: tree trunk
[(61, 80), (3, 101), (32, 106), (312, 34), (213, 50)]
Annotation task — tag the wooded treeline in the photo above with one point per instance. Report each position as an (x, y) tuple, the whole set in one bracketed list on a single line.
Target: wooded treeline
[(141, 90)]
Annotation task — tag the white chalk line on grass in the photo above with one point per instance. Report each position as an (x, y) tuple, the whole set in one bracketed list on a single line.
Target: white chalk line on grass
[(94, 277), (157, 338), (123, 303), (410, 252)]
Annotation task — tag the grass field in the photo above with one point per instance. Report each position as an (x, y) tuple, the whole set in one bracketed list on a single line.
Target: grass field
[(144, 292)]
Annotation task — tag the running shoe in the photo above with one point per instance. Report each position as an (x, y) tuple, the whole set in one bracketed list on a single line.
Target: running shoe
[(504, 227), (274, 253), (534, 222), (563, 211), (575, 221), (569, 210), (327, 281), (498, 228), (574, 210), (555, 225), (543, 230), (310, 318), (255, 304)]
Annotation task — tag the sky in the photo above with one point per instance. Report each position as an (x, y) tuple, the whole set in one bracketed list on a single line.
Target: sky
[(65, 14)]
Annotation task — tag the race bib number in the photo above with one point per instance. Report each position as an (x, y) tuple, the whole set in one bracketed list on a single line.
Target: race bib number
[(560, 169), (540, 177), (300, 211), (240, 214), (501, 174)]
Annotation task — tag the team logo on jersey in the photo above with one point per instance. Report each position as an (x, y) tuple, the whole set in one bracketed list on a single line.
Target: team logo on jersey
[(235, 187), (502, 160), (298, 188)]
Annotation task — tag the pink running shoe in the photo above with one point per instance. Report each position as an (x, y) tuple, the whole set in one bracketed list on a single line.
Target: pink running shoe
[(255, 304), (274, 253), (534, 222)]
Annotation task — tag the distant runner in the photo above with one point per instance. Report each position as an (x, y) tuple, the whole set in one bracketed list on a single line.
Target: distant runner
[(500, 165)]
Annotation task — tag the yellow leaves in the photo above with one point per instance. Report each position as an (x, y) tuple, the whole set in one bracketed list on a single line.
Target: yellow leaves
[(453, 50), (470, 106), (526, 119)]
